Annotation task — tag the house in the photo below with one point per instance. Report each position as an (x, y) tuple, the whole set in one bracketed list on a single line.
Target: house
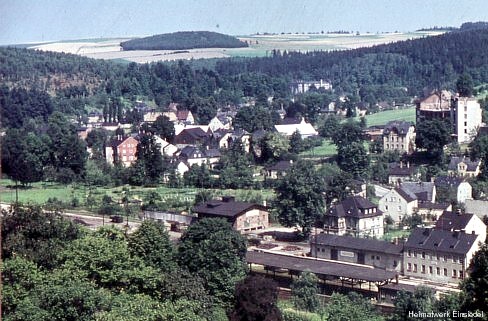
[(424, 191), (167, 149), (399, 136), (278, 170), (300, 86), (223, 138), (462, 222), (376, 253), (438, 255), (244, 217), (171, 116), (181, 167), (400, 172), (437, 105), (398, 204), (191, 136), (457, 185), (430, 212), (466, 118), (355, 216), (151, 116), (193, 155), (219, 122), (122, 150), (185, 117), (462, 166), (290, 125), (373, 133)]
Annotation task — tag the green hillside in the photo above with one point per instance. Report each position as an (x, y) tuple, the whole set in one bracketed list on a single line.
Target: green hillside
[(184, 40)]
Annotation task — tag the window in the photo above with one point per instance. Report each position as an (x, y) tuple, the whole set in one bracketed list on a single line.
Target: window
[(431, 270), (386, 207), (465, 116), (445, 272), (438, 270), (444, 258), (415, 268), (409, 266), (394, 264), (409, 253), (465, 123), (437, 257), (423, 255), (372, 257), (399, 207), (461, 275), (423, 269), (454, 274), (377, 257)]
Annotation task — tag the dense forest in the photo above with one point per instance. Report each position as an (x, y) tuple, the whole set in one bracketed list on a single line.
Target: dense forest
[(184, 40)]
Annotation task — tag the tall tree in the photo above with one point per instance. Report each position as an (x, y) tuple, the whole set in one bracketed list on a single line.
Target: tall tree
[(432, 135), (150, 163), (255, 300), (214, 251), (353, 158), (464, 85), (163, 127), (476, 284), (304, 292), (299, 197)]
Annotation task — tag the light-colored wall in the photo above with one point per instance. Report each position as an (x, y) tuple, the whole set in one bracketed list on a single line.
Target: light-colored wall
[(395, 206), (371, 258), (467, 116), (401, 143), (435, 260), (464, 192), (252, 220)]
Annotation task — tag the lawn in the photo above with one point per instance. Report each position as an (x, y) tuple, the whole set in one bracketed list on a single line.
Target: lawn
[(175, 198), (381, 118), (326, 149)]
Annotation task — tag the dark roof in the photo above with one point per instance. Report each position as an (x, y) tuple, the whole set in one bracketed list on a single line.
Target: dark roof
[(448, 181), (397, 126), (423, 190), (227, 207), (437, 206), (452, 221), (356, 243), (354, 206), (471, 165), (190, 151), (408, 196), (196, 132), (280, 166), (320, 267), (291, 121), (213, 152), (401, 170), (440, 240)]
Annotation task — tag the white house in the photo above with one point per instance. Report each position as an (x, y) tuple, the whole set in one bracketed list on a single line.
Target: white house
[(398, 203), (167, 149), (461, 187)]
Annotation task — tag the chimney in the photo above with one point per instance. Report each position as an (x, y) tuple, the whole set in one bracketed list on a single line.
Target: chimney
[(228, 199)]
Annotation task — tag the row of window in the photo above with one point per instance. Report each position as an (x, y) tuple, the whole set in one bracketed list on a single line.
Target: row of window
[(454, 274), (393, 146), (392, 138), (438, 257)]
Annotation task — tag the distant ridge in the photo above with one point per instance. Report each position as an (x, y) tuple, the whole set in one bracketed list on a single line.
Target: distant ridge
[(184, 40)]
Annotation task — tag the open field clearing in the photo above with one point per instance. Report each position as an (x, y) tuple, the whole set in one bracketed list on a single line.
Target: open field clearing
[(260, 45), (381, 118)]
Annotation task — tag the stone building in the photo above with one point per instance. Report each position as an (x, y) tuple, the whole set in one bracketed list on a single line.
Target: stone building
[(399, 136)]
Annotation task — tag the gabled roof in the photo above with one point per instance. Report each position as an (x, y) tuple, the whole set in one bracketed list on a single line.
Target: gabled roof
[(406, 195), (440, 240), (280, 166), (195, 132), (117, 142), (452, 221), (357, 243), (448, 181), (434, 206), (396, 169), (423, 190), (471, 165), (292, 121), (397, 126), (227, 207), (354, 206), (182, 114), (213, 152), (190, 151)]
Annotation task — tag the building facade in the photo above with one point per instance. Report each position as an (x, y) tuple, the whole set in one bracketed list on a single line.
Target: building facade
[(399, 136), (466, 118)]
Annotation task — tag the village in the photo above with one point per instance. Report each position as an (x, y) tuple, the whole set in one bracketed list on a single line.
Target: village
[(347, 249)]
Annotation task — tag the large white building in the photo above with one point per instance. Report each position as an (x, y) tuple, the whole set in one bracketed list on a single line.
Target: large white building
[(466, 118)]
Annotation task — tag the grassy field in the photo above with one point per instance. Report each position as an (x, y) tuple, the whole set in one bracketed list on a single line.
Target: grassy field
[(326, 149), (175, 198), (381, 118)]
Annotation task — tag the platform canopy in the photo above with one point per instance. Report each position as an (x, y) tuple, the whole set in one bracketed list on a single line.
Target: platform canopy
[(320, 266)]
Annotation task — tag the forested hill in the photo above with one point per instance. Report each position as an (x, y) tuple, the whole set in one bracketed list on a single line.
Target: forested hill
[(414, 64), (184, 40)]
